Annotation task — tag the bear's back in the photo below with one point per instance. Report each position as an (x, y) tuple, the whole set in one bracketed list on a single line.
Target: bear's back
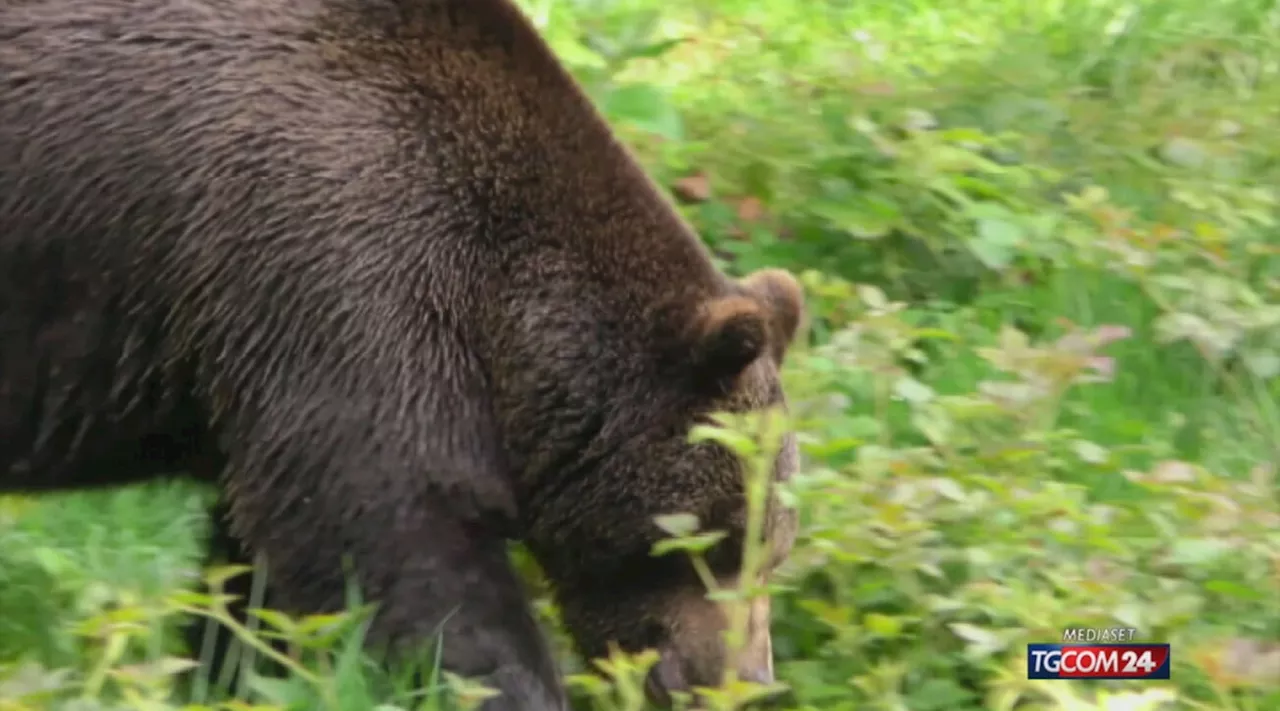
[(214, 195), (152, 154)]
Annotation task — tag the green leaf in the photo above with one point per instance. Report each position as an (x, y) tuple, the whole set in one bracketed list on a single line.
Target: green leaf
[(872, 296), (743, 445), (280, 691), (1198, 551), (215, 577), (982, 642), (948, 488), (321, 623), (1263, 363), (886, 626), (1183, 152), (652, 50), (1090, 453), (868, 217), (575, 53), (169, 666), (912, 390), (939, 695), (645, 106), (996, 242), (1233, 589), (677, 524), (278, 620), (693, 544)]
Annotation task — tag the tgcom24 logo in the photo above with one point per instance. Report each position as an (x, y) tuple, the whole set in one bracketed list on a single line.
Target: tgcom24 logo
[(1106, 653)]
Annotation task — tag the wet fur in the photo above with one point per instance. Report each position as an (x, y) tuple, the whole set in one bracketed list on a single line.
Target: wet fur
[(378, 270)]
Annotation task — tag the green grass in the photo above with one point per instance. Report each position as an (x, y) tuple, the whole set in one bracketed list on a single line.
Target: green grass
[(1054, 167)]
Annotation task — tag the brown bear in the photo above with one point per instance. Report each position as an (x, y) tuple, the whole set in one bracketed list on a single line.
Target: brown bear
[(378, 270)]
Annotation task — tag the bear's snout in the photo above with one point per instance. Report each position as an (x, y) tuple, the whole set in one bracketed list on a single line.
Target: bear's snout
[(755, 661), (696, 656)]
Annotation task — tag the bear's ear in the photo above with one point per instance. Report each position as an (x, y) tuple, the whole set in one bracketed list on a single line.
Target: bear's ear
[(784, 301), (732, 332)]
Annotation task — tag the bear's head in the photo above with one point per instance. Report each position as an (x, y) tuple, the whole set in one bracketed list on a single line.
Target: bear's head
[(594, 535)]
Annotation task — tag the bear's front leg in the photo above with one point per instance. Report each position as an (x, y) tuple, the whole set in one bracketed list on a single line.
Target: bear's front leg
[(429, 574), (369, 446)]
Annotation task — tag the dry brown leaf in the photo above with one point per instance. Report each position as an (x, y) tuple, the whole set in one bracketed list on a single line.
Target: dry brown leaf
[(750, 209), (693, 188)]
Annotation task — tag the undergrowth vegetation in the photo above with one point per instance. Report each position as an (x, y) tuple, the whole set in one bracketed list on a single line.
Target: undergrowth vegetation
[(1039, 388)]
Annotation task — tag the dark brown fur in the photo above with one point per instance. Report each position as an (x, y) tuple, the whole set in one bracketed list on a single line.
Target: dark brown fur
[(378, 269)]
